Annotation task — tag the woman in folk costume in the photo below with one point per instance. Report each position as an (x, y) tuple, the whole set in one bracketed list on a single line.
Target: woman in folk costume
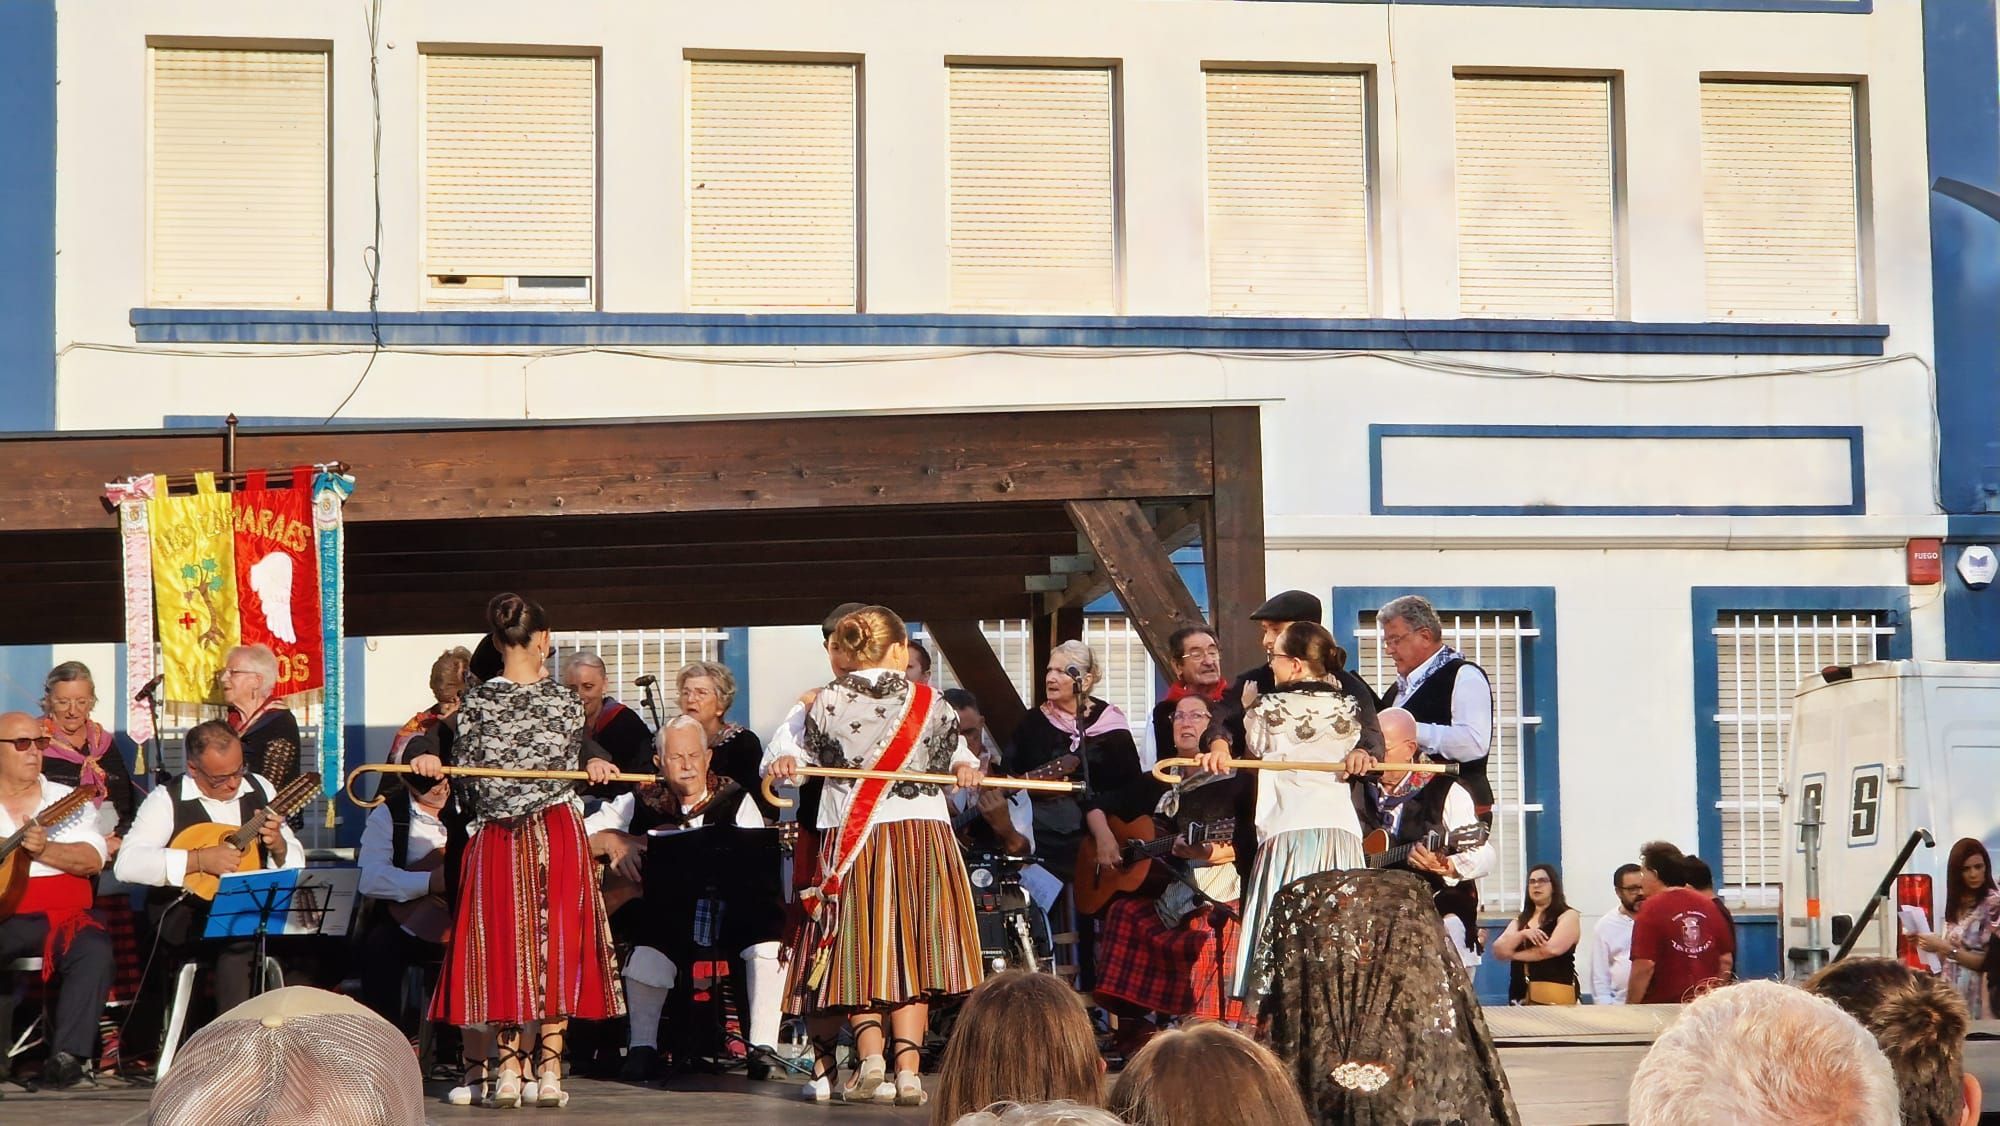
[(83, 752), (890, 925), (531, 944), (1306, 822)]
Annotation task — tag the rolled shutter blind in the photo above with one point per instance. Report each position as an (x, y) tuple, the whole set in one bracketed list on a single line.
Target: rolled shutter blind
[(510, 165), (1535, 226), (1779, 207), (238, 178), (771, 168), (1033, 214), (1287, 194)]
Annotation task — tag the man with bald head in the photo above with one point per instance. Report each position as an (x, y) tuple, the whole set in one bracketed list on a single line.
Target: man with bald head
[(52, 921), (1427, 808)]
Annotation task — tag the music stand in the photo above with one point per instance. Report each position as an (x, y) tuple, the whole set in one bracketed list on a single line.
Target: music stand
[(285, 901)]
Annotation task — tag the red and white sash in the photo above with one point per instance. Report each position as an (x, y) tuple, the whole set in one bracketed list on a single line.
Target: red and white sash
[(822, 903)]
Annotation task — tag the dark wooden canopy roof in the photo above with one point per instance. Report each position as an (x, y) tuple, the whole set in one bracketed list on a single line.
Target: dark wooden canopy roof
[(712, 522)]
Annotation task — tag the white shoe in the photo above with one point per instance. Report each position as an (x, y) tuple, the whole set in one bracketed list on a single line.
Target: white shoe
[(531, 1093), (869, 1082), (907, 1090), (460, 1096), (818, 1091)]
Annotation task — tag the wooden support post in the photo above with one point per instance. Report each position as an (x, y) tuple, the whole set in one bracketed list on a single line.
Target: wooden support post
[(1141, 571), (1233, 536), (1051, 628), (979, 669)]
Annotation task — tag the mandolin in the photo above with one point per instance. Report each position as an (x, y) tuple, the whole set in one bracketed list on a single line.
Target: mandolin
[(15, 861), (1382, 854), (294, 797), (1141, 845)]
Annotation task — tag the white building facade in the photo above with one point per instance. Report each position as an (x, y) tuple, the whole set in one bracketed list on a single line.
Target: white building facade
[(1609, 326)]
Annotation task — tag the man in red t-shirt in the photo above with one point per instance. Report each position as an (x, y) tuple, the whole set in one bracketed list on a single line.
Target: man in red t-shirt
[(1680, 942)]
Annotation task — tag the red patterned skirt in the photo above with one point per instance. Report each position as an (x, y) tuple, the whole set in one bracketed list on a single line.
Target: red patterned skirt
[(530, 942), (906, 930), (1181, 971)]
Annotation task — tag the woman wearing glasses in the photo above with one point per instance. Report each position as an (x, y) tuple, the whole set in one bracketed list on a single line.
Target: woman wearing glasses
[(83, 752), (1541, 943)]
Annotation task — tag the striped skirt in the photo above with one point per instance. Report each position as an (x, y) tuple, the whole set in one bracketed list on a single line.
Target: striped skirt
[(905, 927), (1283, 859), (530, 942)]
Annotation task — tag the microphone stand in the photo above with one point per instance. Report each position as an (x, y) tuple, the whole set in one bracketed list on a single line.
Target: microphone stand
[(652, 702), (150, 696)]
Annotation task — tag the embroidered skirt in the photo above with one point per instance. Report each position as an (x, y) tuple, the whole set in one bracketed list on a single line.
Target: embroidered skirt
[(905, 926), (1282, 859), (530, 942), (1182, 971)]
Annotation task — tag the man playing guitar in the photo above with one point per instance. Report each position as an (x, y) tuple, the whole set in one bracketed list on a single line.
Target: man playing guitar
[(403, 877), (50, 919), (1408, 807)]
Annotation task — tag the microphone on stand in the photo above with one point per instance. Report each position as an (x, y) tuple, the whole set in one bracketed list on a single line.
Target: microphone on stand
[(150, 687)]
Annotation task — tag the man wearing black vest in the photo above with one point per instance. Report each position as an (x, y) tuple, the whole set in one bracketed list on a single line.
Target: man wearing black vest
[(217, 789), (678, 903), (1410, 807), (1279, 611), (1450, 697), (402, 862)]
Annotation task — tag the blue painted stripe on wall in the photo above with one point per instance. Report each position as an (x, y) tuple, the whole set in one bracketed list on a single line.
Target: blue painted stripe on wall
[(28, 216), (547, 329), (1705, 603), (1857, 469)]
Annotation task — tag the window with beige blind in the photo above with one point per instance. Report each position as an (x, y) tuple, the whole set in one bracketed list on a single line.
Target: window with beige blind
[(1760, 659), (1498, 642), (510, 179), (1034, 209), (1780, 202), (237, 178), (771, 185), (1536, 189), (1288, 194)]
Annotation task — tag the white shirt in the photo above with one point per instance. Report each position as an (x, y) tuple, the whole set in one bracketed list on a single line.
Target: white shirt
[(380, 878), (80, 827), (1611, 964), (1470, 733), (146, 860), (1294, 800), (616, 816), (1459, 812)]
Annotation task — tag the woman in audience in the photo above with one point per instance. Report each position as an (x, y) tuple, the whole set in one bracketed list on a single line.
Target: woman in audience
[(1021, 1037), (1541, 943), (1370, 1009), (1971, 916), (1205, 1074), (1063, 1113)]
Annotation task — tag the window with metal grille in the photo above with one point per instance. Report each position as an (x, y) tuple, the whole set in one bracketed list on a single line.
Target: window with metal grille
[(632, 653), (1497, 641), (1760, 659), (1127, 677)]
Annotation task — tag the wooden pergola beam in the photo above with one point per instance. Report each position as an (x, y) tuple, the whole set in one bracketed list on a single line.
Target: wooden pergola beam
[(1140, 569), (1233, 537), (978, 668)]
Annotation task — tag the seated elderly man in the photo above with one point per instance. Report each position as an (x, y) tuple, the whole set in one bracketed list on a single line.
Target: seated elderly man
[(52, 921), (683, 892), (1764, 1054)]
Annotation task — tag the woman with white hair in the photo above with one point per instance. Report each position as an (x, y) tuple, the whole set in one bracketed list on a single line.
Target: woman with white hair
[(1072, 722)]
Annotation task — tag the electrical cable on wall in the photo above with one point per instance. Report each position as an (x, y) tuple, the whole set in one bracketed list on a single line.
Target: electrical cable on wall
[(371, 255)]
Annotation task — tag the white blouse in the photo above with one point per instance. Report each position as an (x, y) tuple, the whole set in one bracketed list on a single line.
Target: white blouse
[(1309, 726), (847, 726)]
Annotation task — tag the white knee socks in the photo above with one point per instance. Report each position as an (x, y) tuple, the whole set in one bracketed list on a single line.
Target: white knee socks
[(764, 990), (649, 977)]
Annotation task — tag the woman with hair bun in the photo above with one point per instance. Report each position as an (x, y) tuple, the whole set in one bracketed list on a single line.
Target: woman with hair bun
[(890, 926), (531, 944), (1306, 823)]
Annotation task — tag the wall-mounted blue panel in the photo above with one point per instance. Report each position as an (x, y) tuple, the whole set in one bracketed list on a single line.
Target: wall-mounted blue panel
[(28, 215), (1852, 435), (885, 330)]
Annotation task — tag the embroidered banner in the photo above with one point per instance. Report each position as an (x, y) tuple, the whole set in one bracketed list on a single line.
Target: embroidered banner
[(194, 587), (278, 578), (330, 492), (141, 659)]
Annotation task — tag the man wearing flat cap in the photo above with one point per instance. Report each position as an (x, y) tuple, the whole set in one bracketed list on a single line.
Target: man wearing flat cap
[(1279, 611)]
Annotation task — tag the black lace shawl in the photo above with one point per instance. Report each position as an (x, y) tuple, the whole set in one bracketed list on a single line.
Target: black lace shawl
[(1371, 1010)]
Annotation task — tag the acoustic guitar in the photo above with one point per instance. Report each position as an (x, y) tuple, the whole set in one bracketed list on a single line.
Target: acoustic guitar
[(1062, 766), (15, 861), (1138, 871), (1383, 852), (294, 797)]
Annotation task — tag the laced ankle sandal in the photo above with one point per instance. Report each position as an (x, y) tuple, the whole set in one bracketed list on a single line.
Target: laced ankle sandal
[(908, 1089), (870, 1072), (548, 1072), (507, 1088), (826, 1070)]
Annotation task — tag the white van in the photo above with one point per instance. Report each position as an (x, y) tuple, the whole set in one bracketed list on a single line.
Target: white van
[(1882, 750)]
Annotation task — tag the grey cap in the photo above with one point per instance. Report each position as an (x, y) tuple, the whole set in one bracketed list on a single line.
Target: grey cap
[(1288, 606)]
